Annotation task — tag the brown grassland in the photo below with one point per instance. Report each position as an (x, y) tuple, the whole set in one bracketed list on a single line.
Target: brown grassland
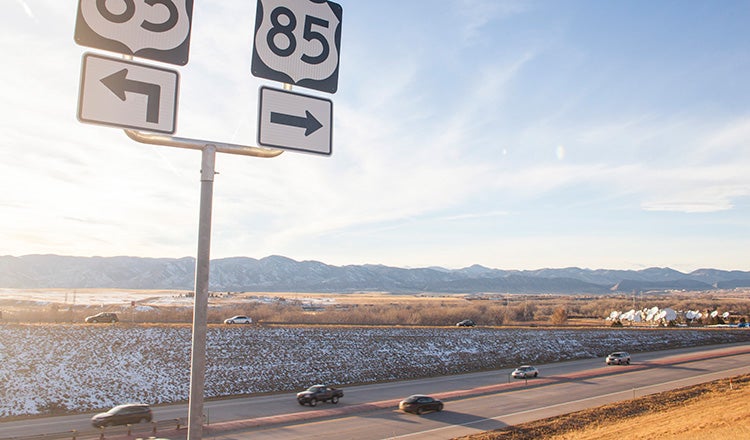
[(710, 411), (373, 308)]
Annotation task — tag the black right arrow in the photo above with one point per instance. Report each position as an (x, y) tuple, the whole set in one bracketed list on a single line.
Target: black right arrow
[(308, 122), (118, 83)]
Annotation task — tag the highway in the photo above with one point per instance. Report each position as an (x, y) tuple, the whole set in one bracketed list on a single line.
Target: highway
[(473, 402)]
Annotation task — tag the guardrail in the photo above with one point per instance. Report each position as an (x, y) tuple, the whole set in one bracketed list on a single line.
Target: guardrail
[(140, 429)]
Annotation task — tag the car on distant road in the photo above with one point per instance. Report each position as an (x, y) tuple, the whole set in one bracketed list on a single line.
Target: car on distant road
[(127, 414), (102, 317), (319, 393), (419, 403), (239, 319), (466, 323), (525, 372), (618, 357)]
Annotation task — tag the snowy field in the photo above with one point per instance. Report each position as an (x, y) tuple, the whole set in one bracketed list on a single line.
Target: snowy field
[(119, 300), (79, 368), (95, 297)]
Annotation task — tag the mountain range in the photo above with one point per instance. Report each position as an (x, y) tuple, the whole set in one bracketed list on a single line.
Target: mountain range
[(282, 274)]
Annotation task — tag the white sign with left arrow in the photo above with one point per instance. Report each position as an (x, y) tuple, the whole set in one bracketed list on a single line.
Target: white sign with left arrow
[(125, 94)]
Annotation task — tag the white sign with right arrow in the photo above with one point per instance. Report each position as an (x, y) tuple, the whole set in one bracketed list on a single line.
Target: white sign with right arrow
[(293, 121), (124, 94)]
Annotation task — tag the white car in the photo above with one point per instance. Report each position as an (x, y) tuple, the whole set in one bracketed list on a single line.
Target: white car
[(525, 372), (619, 358), (239, 319)]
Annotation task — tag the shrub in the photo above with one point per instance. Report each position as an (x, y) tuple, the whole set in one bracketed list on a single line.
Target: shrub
[(559, 316)]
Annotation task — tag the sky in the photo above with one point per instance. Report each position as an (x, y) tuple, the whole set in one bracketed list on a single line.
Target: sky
[(510, 134)]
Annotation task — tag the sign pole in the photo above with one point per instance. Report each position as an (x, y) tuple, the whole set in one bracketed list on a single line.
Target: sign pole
[(200, 307), (200, 310)]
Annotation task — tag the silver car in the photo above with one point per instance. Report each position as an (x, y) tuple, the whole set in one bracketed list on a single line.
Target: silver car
[(525, 372), (239, 319), (619, 358)]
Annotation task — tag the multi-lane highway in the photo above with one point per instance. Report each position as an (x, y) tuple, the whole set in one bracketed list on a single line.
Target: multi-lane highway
[(473, 402)]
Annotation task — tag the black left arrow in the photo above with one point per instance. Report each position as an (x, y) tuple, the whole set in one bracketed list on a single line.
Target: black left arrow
[(118, 83), (308, 122)]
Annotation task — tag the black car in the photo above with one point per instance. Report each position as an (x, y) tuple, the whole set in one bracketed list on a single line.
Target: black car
[(466, 323), (319, 393), (419, 404), (102, 317), (123, 415)]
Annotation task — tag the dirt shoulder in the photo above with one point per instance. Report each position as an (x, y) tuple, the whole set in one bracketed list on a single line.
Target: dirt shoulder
[(714, 410)]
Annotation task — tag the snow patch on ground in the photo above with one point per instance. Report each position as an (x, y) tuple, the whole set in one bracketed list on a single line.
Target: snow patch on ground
[(124, 297)]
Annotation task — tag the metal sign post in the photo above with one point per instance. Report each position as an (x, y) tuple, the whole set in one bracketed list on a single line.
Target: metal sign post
[(200, 310), (202, 261)]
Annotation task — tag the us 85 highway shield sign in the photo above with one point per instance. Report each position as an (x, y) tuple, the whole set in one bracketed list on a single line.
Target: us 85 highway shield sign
[(155, 29), (298, 42)]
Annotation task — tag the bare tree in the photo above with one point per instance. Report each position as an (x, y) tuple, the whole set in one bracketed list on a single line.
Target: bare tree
[(559, 316)]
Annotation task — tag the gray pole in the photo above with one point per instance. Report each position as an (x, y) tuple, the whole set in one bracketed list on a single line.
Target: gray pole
[(200, 312)]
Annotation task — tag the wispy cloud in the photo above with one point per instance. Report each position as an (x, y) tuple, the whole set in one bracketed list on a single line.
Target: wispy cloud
[(727, 143), (696, 190), (479, 13), (476, 215), (26, 9)]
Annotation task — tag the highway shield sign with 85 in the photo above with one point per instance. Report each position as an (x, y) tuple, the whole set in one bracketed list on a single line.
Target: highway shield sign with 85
[(298, 42), (154, 29)]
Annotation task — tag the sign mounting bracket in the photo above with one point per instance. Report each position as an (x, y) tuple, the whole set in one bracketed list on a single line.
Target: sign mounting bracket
[(196, 144)]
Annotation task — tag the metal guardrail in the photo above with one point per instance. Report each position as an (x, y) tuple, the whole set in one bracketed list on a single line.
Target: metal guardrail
[(141, 429)]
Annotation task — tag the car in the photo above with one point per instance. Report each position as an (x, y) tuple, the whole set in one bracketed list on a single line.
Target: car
[(466, 323), (239, 319), (319, 393), (525, 372), (127, 414), (618, 357), (420, 403), (102, 317)]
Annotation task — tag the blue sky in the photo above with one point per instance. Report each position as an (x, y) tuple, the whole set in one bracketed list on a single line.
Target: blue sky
[(512, 134)]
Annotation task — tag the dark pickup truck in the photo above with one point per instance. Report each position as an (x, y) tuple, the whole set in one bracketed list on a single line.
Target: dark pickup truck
[(319, 393)]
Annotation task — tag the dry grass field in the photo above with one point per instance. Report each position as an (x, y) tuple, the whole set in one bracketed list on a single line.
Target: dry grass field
[(716, 410), (370, 308)]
